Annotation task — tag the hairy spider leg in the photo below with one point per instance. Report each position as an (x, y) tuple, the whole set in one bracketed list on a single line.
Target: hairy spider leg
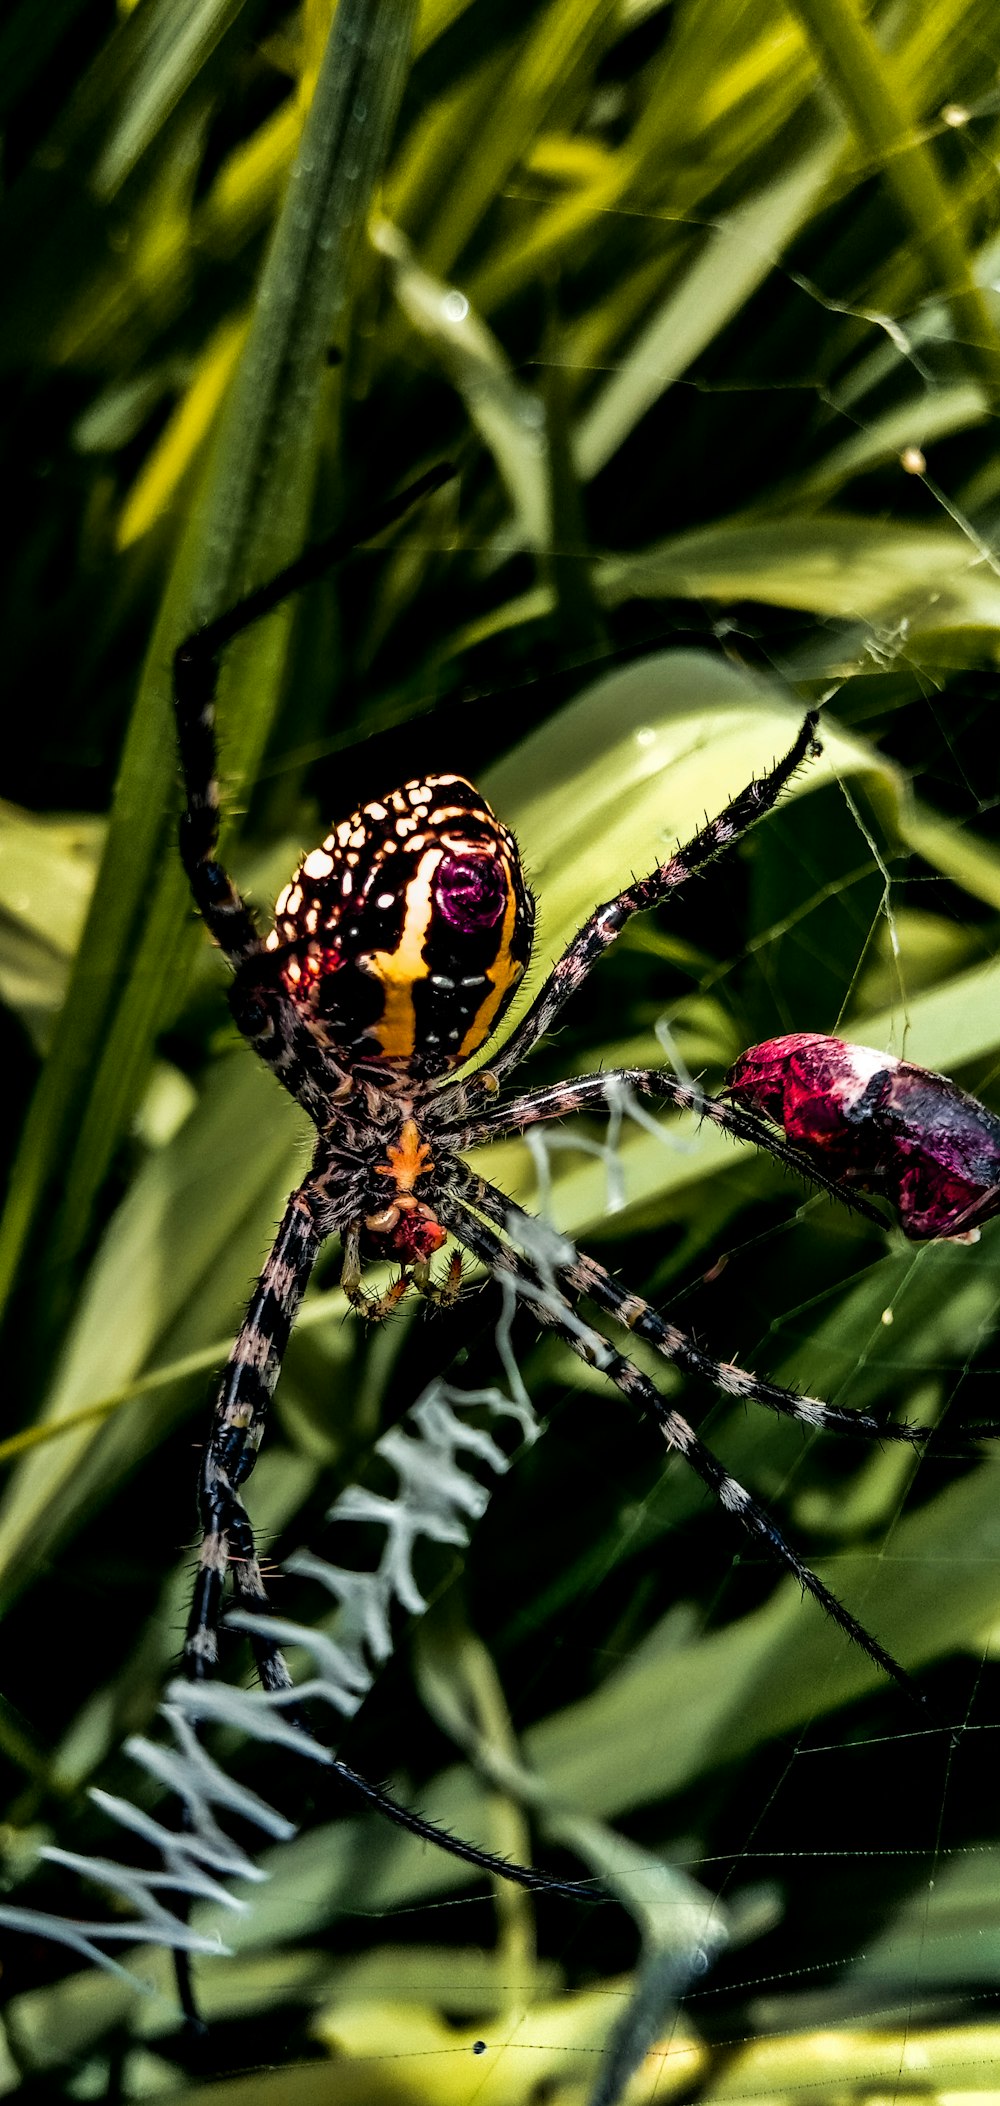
[(239, 1414), (244, 1392), (592, 1347), (558, 1099), (585, 1276), (243, 1396), (607, 921), (636, 1315)]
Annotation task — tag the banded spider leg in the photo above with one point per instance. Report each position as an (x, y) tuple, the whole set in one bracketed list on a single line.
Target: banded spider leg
[(606, 922), (551, 1290), (609, 1091)]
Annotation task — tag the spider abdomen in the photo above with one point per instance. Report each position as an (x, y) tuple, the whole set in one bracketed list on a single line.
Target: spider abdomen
[(405, 935)]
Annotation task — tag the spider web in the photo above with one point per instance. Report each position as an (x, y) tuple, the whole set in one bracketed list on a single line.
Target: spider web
[(801, 1838), (861, 1842)]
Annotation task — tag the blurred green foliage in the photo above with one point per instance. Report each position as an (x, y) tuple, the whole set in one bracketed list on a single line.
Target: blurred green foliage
[(700, 300)]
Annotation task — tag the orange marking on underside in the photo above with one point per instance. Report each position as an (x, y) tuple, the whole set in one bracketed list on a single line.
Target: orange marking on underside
[(406, 1159)]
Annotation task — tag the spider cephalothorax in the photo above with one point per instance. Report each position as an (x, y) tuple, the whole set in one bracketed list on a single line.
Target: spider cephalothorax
[(396, 949)]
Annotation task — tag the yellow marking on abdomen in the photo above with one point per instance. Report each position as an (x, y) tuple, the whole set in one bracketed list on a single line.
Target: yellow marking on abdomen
[(399, 969)]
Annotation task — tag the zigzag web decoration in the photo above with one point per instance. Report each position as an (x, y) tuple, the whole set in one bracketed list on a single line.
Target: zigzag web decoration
[(543, 1142), (438, 1498)]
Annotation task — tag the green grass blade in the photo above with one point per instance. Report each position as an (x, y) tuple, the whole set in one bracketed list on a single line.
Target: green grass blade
[(251, 515)]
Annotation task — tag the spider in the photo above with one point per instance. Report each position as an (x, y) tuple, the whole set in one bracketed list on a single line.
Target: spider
[(396, 949)]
